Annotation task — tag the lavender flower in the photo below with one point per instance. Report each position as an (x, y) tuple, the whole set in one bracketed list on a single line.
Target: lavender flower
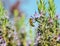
[(50, 20), (36, 15), (58, 39), (0, 37)]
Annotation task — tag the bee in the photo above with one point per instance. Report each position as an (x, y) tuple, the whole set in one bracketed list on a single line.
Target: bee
[(31, 22)]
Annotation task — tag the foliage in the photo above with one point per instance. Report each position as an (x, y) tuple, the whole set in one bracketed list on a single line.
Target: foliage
[(5, 29), (20, 26), (48, 25), (14, 34)]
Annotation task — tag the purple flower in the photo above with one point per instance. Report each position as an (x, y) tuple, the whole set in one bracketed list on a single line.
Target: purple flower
[(58, 39), (36, 15), (0, 37), (59, 35), (42, 12), (3, 41), (50, 20), (58, 17)]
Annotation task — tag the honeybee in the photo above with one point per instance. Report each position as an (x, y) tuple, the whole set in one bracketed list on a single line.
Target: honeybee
[(31, 22)]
